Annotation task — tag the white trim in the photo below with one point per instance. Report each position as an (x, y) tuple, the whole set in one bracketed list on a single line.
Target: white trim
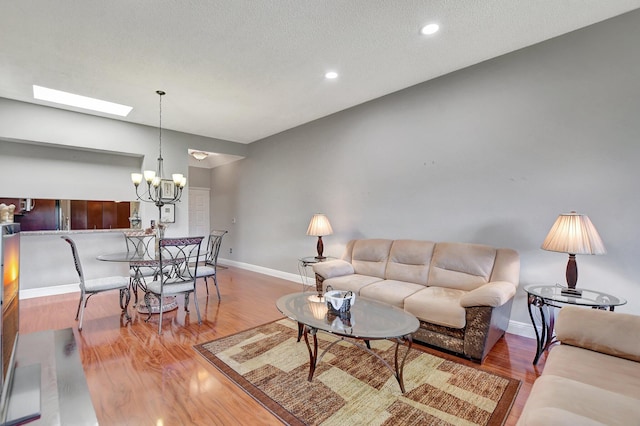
[(521, 329), (49, 291), (198, 188), (262, 270)]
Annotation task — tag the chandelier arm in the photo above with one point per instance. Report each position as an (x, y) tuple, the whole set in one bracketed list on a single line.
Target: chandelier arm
[(154, 193)]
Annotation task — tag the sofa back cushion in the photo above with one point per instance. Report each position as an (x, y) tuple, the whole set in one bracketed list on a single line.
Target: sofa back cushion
[(409, 261), (461, 266), (369, 257)]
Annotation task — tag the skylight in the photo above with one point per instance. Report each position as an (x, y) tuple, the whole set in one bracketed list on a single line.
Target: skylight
[(70, 99)]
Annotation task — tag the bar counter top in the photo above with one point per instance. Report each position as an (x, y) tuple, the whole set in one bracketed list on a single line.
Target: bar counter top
[(75, 231)]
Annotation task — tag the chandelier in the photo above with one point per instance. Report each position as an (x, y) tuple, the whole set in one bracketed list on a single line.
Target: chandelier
[(159, 191)]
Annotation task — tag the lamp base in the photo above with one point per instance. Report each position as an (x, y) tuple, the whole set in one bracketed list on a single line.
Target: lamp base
[(321, 257), (572, 292)]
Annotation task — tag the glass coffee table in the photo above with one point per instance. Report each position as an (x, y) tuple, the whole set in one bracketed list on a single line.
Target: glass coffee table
[(366, 320)]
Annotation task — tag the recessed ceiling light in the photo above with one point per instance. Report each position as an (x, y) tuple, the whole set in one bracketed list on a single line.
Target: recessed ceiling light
[(331, 75), (79, 101), (430, 29)]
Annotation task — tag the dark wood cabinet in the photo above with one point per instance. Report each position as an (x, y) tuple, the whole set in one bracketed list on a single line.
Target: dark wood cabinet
[(45, 214), (99, 215), (109, 215), (42, 217), (123, 214), (78, 214), (94, 215)]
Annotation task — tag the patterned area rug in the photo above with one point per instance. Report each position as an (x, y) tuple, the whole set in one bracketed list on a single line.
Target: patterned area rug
[(351, 386)]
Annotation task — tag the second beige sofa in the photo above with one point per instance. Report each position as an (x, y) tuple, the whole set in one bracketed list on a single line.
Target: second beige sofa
[(593, 377)]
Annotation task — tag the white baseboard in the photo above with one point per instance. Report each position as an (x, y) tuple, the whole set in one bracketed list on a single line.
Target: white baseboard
[(49, 291), (515, 327), (521, 329), (296, 278)]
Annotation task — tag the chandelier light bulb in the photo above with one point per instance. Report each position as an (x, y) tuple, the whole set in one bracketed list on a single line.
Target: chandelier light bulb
[(177, 178), (149, 175)]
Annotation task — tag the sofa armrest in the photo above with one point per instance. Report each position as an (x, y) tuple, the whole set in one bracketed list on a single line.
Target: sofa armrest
[(493, 294), (611, 333), (333, 268)]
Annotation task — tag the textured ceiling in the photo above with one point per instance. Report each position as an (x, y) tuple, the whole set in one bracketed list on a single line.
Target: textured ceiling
[(242, 70)]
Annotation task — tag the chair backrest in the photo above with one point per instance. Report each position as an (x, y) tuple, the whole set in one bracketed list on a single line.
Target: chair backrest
[(176, 257), (140, 242), (213, 246), (76, 259)]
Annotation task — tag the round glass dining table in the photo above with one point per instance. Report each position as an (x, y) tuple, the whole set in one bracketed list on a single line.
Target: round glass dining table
[(136, 262)]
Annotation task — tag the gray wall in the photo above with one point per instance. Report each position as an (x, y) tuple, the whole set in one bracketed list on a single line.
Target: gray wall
[(490, 154), (53, 153), (199, 177)]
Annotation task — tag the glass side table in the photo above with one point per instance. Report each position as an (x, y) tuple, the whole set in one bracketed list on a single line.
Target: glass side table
[(303, 264), (548, 297)]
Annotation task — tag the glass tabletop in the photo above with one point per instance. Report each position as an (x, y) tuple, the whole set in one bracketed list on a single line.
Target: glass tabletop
[(310, 260), (124, 256), (367, 319), (587, 298)]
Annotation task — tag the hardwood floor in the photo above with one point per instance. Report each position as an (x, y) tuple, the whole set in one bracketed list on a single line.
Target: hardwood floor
[(136, 377)]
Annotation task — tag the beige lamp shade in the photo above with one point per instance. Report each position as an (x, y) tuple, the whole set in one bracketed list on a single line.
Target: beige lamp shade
[(575, 234), (319, 226)]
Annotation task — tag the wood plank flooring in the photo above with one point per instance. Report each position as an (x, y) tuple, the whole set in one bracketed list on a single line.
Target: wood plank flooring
[(136, 377)]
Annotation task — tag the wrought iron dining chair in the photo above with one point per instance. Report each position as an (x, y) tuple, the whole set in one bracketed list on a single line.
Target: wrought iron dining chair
[(178, 277), (143, 245), (89, 287), (210, 267)]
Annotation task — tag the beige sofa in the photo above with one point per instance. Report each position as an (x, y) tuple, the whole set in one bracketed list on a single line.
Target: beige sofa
[(461, 293), (593, 377)]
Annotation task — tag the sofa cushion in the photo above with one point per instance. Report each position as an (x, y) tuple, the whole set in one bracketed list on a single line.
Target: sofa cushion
[(612, 333), (492, 294), (353, 282), (594, 368), (409, 261), (390, 291), (370, 257), (557, 400), (461, 266), (333, 268), (437, 305)]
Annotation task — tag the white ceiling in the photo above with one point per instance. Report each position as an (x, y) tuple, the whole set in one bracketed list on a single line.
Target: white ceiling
[(241, 70)]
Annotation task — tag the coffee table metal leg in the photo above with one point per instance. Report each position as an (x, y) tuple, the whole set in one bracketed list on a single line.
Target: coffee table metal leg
[(400, 368), (399, 364), (313, 354), (300, 330)]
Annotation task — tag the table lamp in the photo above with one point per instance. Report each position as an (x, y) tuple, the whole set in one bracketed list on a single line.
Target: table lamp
[(573, 233), (318, 227)]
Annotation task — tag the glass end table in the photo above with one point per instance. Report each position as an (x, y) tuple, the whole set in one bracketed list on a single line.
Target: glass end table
[(547, 297), (303, 264)]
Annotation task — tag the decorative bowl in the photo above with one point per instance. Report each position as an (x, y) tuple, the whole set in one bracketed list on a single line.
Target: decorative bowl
[(339, 301)]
